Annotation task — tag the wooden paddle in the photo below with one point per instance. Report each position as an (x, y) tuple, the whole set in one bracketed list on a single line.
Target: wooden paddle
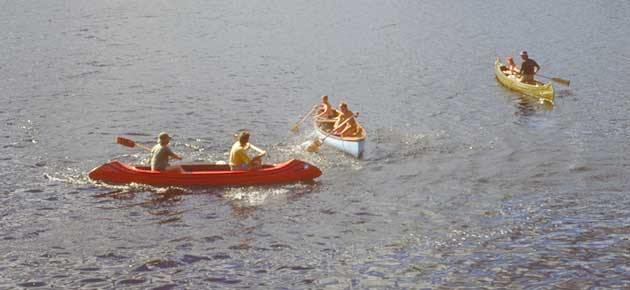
[(314, 146), (296, 127), (130, 143), (557, 80), (260, 151)]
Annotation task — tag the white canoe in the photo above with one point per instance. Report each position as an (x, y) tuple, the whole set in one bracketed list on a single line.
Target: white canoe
[(350, 145)]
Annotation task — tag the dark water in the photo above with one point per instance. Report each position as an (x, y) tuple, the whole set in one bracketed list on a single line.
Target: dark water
[(464, 184)]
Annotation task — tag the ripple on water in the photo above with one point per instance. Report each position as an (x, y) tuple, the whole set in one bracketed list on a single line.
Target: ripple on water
[(223, 280), (165, 287), (32, 284), (131, 281), (191, 259)]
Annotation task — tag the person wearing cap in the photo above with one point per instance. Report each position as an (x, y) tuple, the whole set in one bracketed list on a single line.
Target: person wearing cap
[(161, 152), (239, 160), (529, 68), (326, 114), (349, 128)]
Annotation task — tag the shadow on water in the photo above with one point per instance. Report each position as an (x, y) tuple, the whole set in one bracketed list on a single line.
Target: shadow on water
[(528, 105), (167, 202)]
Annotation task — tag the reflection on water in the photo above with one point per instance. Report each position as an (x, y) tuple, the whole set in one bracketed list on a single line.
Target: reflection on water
[(528, 105)]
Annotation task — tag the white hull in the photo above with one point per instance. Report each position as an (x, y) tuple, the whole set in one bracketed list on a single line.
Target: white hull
[(352, 146)]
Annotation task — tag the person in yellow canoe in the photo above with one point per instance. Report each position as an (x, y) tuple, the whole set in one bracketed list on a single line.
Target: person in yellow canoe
[(160, 154), (529, 68), (512, 70), (239, 160), (350, 128)]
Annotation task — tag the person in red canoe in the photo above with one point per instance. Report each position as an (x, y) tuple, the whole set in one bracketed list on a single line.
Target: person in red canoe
[(350, 128), (239, 160), (326, 114), (160, 154)]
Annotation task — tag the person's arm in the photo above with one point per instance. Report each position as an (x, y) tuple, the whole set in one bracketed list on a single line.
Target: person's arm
[(260, 151), (338, 128), (537, 66), (173, 154), (346, 127), (319, 115), (325, 109)]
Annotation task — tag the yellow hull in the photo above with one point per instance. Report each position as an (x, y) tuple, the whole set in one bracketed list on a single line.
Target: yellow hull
[(543, 92)]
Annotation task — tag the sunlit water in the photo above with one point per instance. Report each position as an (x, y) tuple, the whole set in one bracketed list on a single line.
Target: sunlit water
[(464, 184)]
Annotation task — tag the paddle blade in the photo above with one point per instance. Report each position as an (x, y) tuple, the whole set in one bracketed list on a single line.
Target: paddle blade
[(562, 81), (125, 142), (314, 146), (295, 129)]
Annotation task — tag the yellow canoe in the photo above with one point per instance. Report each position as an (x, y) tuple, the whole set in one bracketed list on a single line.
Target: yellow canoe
[(543, 92)]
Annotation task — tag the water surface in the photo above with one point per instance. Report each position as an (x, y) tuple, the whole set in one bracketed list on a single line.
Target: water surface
[(464, 184)]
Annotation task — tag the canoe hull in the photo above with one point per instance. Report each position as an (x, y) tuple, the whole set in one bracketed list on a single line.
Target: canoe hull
[(543, 92), (293, 170), (353, 146)]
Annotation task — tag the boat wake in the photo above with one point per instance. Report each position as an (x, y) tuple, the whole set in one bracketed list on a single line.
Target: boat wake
[(389, 145)]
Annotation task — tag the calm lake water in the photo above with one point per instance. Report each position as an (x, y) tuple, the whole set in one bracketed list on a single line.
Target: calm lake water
[(464, 184)]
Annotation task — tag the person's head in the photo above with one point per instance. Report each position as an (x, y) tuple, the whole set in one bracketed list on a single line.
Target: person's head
[(343, 107), (243, 138), (324, 99), (524, 55), (164, 138), (510, 60)]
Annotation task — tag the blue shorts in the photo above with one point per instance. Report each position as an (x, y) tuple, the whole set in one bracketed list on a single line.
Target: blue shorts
[(242, 166)]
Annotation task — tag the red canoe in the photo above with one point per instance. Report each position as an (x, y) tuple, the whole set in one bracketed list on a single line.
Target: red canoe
[(205, 174)]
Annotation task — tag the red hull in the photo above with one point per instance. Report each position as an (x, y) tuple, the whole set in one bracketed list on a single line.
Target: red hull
[(205, 174)]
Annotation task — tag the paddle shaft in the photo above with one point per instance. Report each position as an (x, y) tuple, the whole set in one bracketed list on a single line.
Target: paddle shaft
[(296, 127), (558, 80), (131, 143), (143, 147), (307, 114)]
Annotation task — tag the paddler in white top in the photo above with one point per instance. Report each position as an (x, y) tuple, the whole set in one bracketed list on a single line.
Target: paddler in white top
[(161, 153)]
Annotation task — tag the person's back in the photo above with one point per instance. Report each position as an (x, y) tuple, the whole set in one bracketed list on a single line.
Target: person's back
[(529, 68), (159, 157), (239, 160), (238, 156)]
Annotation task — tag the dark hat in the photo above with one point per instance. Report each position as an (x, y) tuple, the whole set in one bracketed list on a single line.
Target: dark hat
[(164, 136)]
